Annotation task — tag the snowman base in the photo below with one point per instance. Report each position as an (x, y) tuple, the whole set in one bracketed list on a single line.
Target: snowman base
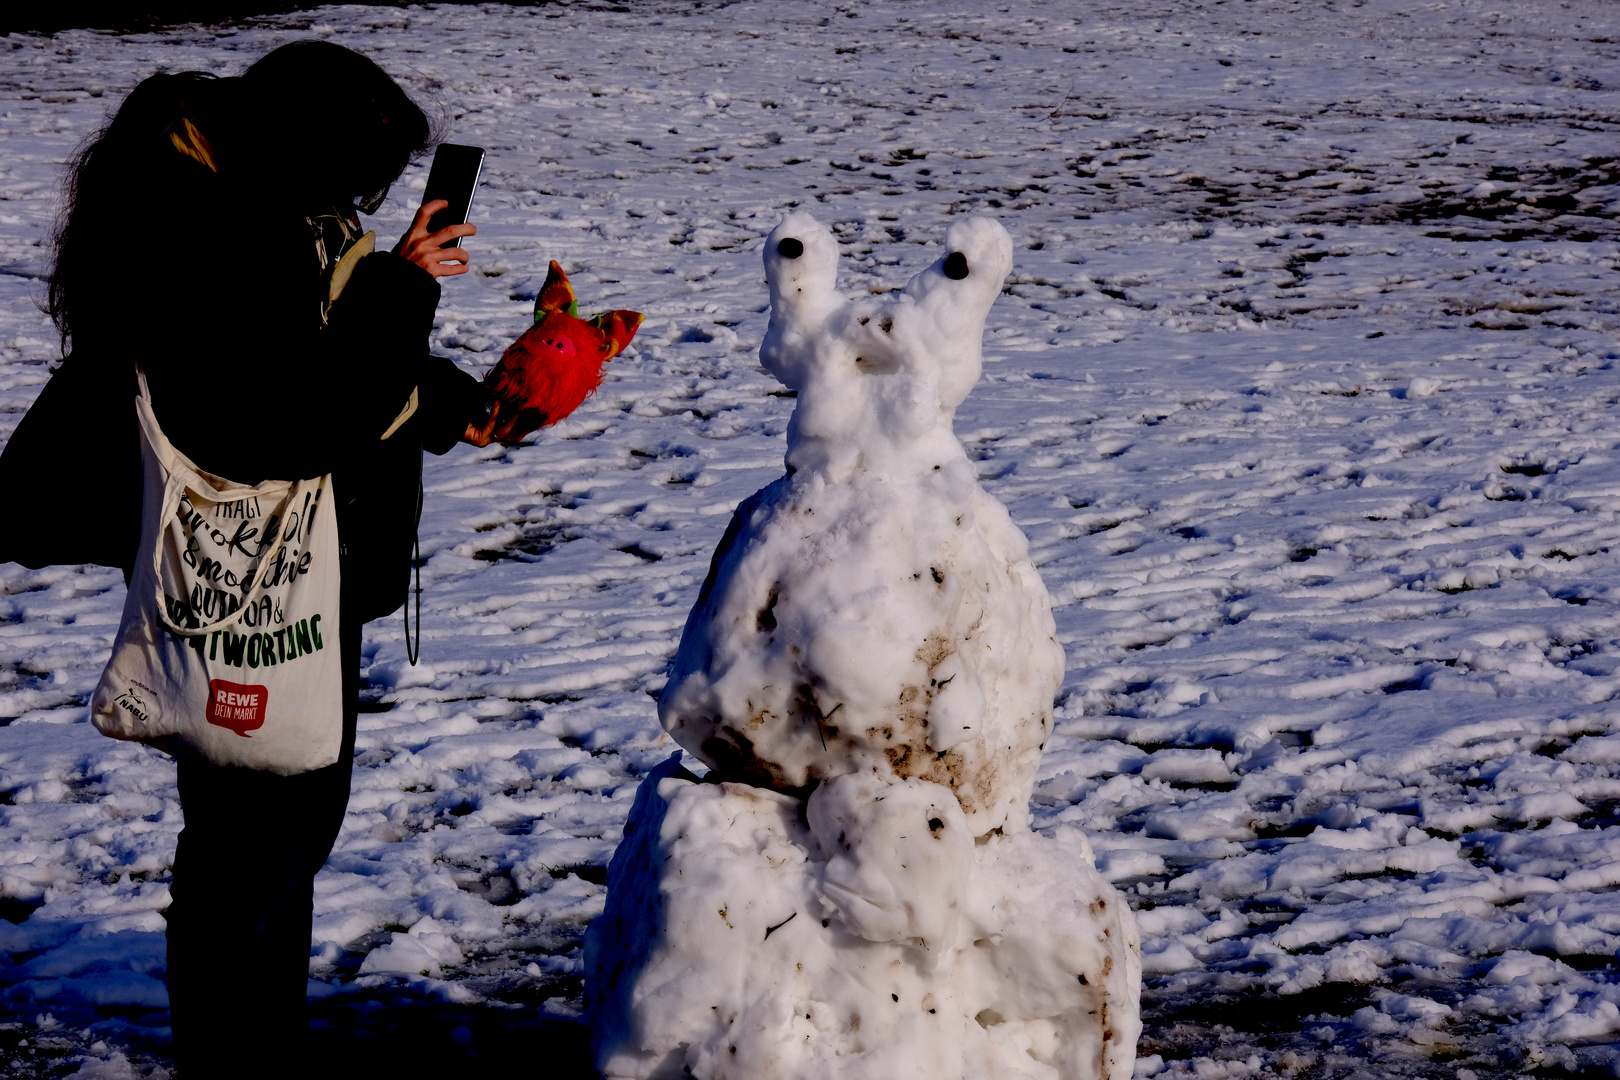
[(735, 946)]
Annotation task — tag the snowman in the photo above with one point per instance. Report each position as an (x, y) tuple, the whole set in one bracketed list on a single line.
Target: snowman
[(868, 673), (874, 610)]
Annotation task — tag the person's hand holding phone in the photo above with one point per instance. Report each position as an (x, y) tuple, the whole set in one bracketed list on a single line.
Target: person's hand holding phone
[(424, 248), (446, 202)]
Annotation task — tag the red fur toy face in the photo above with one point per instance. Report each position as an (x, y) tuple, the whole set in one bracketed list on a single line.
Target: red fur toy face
[(557, 363)]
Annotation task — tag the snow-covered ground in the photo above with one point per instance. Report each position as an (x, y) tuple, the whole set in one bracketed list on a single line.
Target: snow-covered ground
[(1302, 389)]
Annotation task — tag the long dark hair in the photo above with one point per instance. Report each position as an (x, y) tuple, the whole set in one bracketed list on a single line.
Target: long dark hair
[(335, 127), (124, 170), (308, 127)]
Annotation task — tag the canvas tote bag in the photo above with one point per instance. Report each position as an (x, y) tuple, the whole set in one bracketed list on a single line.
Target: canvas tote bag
[(229, 642)]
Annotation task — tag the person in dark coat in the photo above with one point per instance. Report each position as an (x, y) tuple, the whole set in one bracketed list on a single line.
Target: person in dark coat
[(201, 230)]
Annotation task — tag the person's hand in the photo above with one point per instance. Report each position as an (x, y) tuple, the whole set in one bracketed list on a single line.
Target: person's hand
[(422, 247), (478, 428)]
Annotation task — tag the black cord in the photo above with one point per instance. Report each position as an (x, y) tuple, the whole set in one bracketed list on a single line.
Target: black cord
[(416, 564)]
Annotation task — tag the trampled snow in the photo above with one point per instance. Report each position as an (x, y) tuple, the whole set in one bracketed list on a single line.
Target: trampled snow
[(1301, 388)]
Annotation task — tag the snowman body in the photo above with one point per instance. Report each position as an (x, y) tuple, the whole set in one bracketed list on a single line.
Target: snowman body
[(854, 892), (874, 610)]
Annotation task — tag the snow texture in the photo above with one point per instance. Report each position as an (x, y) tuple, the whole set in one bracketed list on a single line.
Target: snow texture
[(1302, 388)]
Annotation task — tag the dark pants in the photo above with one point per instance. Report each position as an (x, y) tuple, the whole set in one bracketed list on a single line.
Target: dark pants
[(243, 890)]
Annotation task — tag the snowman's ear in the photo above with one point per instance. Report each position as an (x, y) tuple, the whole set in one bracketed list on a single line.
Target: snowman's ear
[(953, 296), (978, 257), (801, 261)]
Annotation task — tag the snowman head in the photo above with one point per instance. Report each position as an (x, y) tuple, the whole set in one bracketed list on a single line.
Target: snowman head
[(878, 378)]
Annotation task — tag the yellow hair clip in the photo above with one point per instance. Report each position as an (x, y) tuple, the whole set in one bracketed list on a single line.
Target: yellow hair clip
[(192, 143)]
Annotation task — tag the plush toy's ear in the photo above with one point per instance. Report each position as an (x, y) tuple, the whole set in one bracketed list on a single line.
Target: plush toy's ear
[(619, 327), (555, 295)]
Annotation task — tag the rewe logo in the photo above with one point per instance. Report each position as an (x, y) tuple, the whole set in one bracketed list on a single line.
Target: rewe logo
[(240, 708)]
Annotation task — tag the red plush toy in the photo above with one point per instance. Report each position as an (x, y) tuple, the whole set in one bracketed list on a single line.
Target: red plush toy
[(557, 363)]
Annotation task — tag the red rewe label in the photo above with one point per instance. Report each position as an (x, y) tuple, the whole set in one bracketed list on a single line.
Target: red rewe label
[(240, 708)]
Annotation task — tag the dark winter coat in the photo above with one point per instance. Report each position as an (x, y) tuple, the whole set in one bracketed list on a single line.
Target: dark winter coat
[(249, 383)]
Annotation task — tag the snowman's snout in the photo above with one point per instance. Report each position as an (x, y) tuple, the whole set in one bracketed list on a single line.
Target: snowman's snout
[(956, 266), (790, 247)]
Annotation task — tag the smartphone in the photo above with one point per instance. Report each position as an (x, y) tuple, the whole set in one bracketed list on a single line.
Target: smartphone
[(454, 177)]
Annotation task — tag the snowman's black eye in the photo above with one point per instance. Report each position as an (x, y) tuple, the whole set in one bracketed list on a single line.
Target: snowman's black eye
[(789, 248), (956, 266)]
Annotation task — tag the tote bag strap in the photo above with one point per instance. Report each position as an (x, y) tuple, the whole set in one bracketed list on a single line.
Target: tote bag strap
[(177, 470)]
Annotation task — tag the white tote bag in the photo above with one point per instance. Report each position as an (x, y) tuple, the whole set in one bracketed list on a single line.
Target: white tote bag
[(229, 643)]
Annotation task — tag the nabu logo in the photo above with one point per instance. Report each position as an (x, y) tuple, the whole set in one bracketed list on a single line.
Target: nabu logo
[(140, 702)]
